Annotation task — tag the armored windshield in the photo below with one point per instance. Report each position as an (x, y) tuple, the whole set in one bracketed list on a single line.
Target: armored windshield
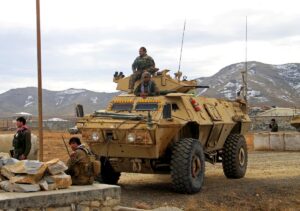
[(122, 107), (146, 107)]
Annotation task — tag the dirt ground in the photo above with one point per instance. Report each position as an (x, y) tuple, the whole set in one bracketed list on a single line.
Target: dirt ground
[(272, 182)]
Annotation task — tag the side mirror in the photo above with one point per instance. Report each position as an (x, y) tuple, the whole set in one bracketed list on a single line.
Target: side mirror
[(167, 111), (79, 110)]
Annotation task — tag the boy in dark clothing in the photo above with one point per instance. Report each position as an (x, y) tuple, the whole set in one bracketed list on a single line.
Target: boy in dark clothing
[(147, 87), (21, 140)]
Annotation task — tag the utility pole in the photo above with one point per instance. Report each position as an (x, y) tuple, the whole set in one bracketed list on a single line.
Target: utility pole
[(39, 74)]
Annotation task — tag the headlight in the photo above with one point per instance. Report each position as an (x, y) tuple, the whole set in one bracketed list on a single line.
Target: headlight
[(95, 136), (131, 137)]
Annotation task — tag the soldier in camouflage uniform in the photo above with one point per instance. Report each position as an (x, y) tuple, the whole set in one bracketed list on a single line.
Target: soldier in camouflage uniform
[(79, 165), (141, 64), (21, 140)]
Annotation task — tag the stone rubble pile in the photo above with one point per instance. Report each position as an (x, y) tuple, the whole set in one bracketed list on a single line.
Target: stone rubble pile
[(32, 175)]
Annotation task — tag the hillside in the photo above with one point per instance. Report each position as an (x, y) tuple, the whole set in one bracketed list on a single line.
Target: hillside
[(268, 84), (55, 103)]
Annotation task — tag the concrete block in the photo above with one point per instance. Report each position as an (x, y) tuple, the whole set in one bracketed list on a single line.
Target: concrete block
[(277, 141), (261, 141), (292, 141)]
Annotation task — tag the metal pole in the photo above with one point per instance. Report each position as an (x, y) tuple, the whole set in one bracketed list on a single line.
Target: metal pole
[(246, 62), (39, 72)]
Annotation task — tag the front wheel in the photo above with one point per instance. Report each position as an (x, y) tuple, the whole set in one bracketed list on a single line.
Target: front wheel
[(187, 166), (235, 156)]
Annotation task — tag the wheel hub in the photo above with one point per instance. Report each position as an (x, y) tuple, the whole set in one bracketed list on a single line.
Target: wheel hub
[(242, 157), (196, 166)]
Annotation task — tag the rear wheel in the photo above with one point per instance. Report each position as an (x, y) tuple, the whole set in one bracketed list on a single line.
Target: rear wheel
[(187, 166), (235, 156), (108, 175)]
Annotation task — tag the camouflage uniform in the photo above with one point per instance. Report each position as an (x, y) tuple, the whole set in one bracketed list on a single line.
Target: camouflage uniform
[(141, 64), (21, 143), (80, 167)]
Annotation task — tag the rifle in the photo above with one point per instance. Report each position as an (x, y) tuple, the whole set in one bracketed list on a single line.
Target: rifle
[(66, 146)]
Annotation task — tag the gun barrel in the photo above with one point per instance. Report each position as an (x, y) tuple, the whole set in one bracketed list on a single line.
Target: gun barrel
[(202, 87)]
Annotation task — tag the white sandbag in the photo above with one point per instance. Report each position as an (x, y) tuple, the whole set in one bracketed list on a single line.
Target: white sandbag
[(6, 145)]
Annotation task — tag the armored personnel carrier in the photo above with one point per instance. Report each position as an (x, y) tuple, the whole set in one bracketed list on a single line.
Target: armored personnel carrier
[(173, 133)]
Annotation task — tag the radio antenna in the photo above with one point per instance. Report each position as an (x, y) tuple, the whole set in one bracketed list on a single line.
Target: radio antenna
[(245, 72), (181, 46)]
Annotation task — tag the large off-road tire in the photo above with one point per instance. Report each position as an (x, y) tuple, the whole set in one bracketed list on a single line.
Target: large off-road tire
[(187, 166), (235, 156), (108, 175)]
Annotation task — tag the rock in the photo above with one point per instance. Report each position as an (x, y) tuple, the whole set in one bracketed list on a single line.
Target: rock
[(7, 161), (44, 185), (6, 185), (30, 178), (26, 188), (6, 173), (31, 167), (56, 166), (52, 186), (12, 187), (60, 180), (4, 155)]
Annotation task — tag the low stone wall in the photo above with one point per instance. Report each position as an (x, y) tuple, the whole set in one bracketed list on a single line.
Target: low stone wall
[(279, 141), (76, 198)]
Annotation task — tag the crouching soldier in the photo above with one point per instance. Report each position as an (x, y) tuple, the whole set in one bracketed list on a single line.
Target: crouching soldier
[(81, 165)]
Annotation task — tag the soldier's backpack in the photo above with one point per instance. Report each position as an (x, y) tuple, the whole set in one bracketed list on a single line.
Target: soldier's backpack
[(95, 165)]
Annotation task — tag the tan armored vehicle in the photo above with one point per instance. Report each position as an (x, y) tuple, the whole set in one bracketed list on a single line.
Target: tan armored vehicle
[(295, 122), (174, 133)]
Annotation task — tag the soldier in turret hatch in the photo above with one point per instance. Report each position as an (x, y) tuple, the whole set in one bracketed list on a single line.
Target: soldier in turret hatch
[(142, 63), (147, 87)]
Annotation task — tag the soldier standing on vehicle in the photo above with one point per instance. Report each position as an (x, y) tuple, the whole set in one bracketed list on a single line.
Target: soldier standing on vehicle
[(79, 165), (141, 64), (147, 87), (21, 140), (273, 125)]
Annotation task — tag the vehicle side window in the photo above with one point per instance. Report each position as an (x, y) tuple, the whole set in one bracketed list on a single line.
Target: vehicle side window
[(175, 107)]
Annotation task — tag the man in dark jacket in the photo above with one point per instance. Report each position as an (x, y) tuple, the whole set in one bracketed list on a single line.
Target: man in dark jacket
[(147, 87), (21, 140), (79, 164), (273, 126)]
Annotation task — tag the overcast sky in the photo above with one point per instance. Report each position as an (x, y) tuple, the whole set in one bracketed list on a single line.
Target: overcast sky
[(85, 41)]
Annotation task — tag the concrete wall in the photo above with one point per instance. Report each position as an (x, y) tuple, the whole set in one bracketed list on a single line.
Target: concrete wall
[(6, 145), (76, 198), (281, 141)]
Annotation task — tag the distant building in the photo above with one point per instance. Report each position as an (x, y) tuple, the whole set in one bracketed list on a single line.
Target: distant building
[(273, 112)]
